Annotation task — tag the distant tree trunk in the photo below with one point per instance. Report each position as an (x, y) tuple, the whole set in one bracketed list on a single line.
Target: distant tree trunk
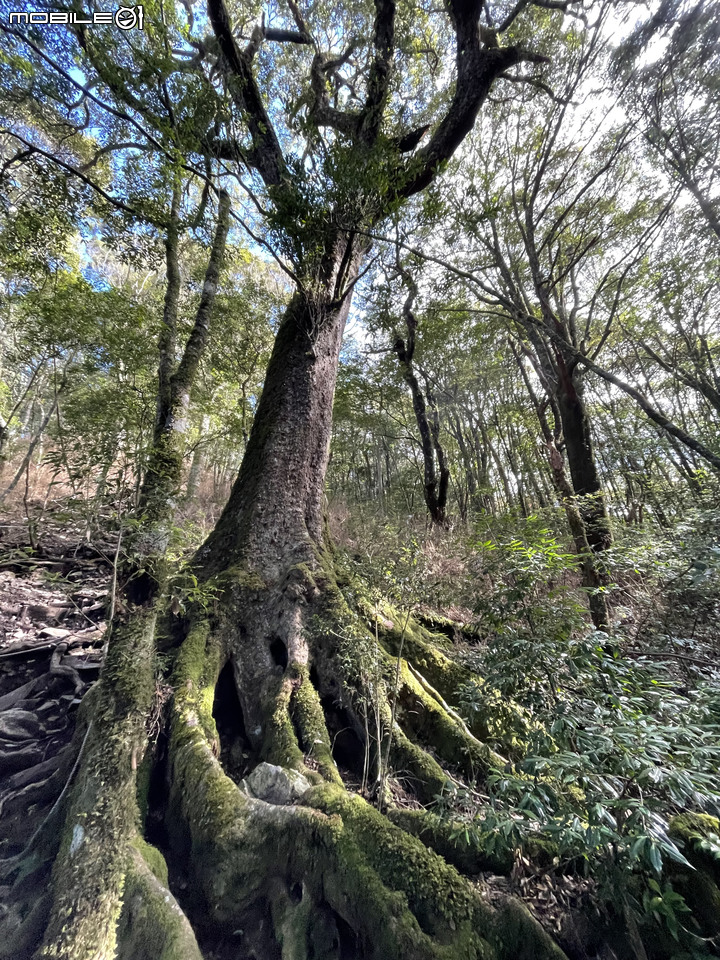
[(581, 457), (457, 432), (196, 465), (34, 443), (435, 481), (593, 576)]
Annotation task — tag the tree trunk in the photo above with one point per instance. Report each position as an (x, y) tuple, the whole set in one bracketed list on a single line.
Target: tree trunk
[(593, 579), (581, 460), (97, 857), (276, 504), (435, 481), (318, 693)]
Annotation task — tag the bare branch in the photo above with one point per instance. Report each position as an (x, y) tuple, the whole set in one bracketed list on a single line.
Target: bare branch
[(522, 4), (286, 36), (118, 204), (321, 111), (478, 66)]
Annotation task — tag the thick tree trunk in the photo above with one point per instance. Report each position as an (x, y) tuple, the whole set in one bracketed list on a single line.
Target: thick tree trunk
[(315, 692), (276, 506)]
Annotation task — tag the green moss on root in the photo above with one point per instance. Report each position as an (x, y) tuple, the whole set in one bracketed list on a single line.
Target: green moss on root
[(310, 722), (430, 722), (152, 926), (153, 858), (89, 871), (465, 852)]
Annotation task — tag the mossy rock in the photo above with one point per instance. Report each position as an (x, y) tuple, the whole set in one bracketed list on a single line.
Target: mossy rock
[(699, 886), (691, 829)]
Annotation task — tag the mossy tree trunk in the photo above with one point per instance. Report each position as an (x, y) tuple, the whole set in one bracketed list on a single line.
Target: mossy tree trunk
[(327, 875), (96, 856)]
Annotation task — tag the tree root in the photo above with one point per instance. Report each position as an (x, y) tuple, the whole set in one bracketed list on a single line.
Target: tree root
[(327, 877), (152, 926), (89, 872), (330, 871), (465, 852)]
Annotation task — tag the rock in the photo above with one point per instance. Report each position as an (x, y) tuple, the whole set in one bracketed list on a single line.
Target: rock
[(275, 784), (18, 725), (55, 633)]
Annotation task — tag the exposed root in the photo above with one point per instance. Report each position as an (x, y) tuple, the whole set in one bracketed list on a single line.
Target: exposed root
[(89, 873), (332, 874), (326, 876), (312, 732), (152, 926), (465, 852), (430, 722)]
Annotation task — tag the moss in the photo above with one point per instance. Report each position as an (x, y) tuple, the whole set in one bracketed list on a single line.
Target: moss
[(300, 581), (153, 858), (434, 890), (280, 744), (292, 926), (200, 791), (152, 926), (541, 850), (431, 723), (240, 578), (401, 898), (197, 667), (310, 720), (519, 936), (465, 851), (427, 776), (419, 646), (690, 829), (103, 814)]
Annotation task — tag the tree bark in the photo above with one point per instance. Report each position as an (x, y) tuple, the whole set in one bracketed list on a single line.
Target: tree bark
[(581, 461), (276, 504)]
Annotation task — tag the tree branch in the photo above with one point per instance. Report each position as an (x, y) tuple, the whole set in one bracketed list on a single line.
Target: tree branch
[(118, 204), (655, 415), (266, 156), (380, 71), (478, 66)]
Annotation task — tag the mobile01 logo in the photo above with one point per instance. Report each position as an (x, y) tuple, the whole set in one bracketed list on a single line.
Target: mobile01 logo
[(125, 18)]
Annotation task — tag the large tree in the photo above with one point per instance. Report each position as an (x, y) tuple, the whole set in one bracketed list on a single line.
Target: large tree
[(330, 121)]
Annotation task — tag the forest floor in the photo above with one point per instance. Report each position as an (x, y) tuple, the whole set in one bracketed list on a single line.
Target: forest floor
[(53, 606)]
